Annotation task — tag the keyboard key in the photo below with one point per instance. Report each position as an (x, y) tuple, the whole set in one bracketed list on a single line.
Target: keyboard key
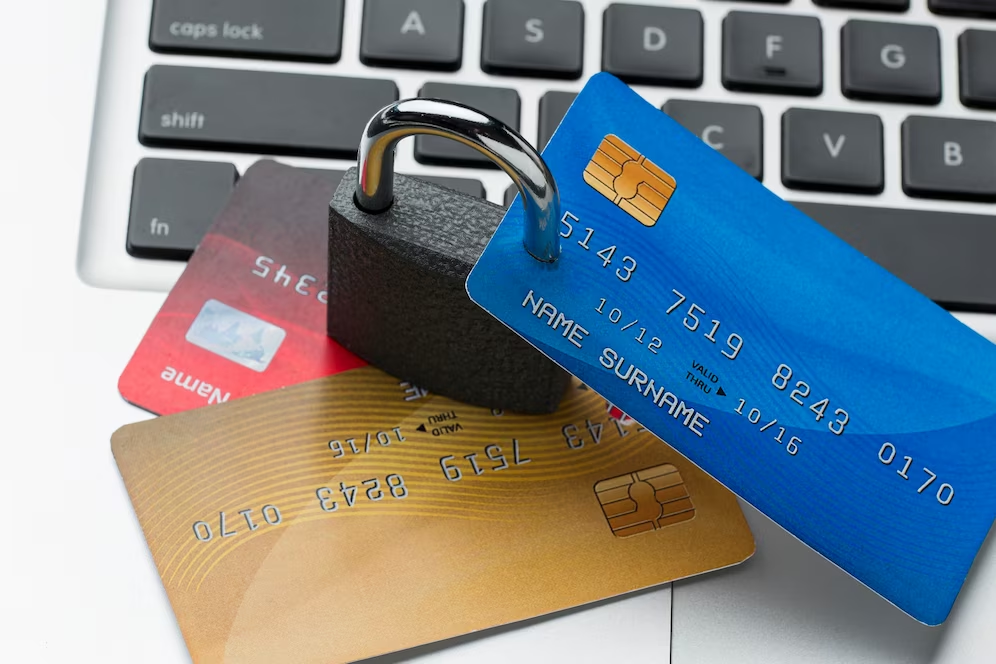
[(173, 203), (772, 53), (977, 53), (945, 158), (830, 151), (981, 8), (501, 103), (309, 30), (880, 5), (536, 38), (653, 45), (552, 109), (736, 130), (890, 62), (255, 111), (416, 34), (946, 256), (510, 194)]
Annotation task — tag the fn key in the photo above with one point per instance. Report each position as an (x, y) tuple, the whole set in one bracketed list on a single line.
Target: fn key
[(173, 203)]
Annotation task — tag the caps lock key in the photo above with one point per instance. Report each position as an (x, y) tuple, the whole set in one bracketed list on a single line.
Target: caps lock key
[(309, 30)]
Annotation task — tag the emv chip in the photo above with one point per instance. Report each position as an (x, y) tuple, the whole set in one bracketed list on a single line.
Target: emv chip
[(645, 500), (627, 178)]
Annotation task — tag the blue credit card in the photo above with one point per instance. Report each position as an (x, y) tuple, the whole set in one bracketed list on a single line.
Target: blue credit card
[(818, 387)]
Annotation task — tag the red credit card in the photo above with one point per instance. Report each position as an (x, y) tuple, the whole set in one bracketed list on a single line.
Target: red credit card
[(248, 313)]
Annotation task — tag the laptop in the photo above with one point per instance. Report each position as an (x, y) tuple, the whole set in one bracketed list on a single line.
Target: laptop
[(908, 83)]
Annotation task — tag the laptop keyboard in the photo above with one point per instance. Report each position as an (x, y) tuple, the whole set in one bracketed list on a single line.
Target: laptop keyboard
[(775, 48)]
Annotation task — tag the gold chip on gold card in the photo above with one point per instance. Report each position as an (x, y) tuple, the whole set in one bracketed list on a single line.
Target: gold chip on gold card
[(634, 183), (645, 500)]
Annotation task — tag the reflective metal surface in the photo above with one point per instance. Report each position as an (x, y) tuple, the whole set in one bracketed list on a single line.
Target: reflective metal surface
[(502, 144)]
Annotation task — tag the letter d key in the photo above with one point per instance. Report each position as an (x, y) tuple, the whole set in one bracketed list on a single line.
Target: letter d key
[(400, 250)]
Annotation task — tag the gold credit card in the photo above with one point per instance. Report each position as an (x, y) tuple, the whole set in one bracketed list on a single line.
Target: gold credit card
[(637, 185), (354, 516)]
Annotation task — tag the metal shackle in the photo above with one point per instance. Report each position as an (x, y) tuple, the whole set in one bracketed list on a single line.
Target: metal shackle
[(489, 136)]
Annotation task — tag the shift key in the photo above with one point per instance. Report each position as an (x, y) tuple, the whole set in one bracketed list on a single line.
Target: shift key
[(309, 30), (254, 111)]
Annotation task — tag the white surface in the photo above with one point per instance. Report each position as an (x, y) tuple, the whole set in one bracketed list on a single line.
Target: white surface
[(76, 581), (789, 604)]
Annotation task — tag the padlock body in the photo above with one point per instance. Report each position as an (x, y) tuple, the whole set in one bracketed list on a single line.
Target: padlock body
[(397, 298)]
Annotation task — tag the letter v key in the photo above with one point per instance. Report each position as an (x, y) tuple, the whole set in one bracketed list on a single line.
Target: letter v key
[(834, 148)]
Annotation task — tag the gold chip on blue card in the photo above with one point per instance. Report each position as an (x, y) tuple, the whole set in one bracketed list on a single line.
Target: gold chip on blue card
[(627, 178)]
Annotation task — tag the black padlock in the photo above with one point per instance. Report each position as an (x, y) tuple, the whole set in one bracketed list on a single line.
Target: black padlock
[(400, 250)]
